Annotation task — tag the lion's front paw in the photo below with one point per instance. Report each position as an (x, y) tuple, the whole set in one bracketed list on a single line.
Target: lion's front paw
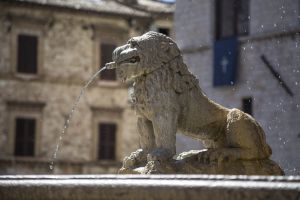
[(134, 159), (129, 162), (211, 156)]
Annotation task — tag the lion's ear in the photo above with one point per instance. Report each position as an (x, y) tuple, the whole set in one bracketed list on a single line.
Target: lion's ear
[(170, 47), (164, 46), (174, 51)]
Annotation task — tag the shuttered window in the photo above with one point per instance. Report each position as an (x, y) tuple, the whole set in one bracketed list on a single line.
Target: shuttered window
[(105, 57), (243, 17), (25, 136), (27, 54), (107, 141), (247, 105), (232, 18), (225, 18)]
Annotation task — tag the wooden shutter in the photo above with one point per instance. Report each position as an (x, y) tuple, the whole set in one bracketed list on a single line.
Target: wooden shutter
[(243, 17), (27, 54), (25, 136), (107, 141), (105, 57), (225, 18), (232, 18)]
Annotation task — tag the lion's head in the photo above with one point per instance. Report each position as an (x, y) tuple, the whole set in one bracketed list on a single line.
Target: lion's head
[(142, 55)]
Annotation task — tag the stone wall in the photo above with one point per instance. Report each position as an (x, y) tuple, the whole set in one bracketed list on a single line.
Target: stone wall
[(275, 110), (273, 16)]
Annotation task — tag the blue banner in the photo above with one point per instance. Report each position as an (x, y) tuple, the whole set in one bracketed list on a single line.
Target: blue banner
[(225, 61)]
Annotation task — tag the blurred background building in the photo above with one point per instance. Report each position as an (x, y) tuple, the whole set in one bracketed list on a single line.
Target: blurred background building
[(48, 49), (246, 54)]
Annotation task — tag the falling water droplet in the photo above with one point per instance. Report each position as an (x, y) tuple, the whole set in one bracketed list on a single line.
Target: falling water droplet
[(51, 166), (67, 121)]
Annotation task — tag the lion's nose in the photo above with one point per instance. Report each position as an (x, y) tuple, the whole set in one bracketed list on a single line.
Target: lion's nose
[(116, 53)]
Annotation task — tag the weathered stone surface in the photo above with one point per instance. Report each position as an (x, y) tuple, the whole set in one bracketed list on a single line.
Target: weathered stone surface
[(167, 99), (189, 163), (149, 187)]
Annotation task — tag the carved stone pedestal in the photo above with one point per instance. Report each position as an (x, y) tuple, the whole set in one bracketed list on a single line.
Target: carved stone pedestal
[(188, 163)]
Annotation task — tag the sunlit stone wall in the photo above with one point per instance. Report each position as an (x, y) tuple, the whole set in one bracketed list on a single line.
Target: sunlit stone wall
[(275, 32)]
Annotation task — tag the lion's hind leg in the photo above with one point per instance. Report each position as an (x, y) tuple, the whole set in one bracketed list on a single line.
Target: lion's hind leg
[(244, 133), (245, 140)]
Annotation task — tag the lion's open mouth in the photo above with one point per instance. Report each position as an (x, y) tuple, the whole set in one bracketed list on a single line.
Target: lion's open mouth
[(134, 59)]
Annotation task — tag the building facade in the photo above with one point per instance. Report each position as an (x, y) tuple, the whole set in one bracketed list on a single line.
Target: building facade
[(48, 50), (258, 70)]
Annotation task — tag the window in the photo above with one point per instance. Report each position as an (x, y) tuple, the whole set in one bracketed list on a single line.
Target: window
[(232, 18), (243, 17), (247, 105), (24, 127), (24, 136), (164, 31), (27, 54), (106, 56), (107, 141)]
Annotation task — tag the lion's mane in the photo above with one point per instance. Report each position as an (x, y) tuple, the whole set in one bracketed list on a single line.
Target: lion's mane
[(172, 76)]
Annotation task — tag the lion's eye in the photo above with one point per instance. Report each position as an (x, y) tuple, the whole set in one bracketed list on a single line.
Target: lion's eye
[(133, 43)]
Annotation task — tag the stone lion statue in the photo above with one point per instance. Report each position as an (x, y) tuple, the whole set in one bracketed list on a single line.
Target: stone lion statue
[(168, 99)]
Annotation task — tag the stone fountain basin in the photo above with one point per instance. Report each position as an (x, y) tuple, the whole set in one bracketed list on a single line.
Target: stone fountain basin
[(204, 187)]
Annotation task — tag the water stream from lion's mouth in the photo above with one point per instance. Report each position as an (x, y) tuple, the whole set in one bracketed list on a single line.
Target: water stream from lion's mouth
[(70, 115)]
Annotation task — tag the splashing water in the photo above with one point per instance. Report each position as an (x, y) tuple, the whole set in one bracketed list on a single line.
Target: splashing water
[(70, 115)]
